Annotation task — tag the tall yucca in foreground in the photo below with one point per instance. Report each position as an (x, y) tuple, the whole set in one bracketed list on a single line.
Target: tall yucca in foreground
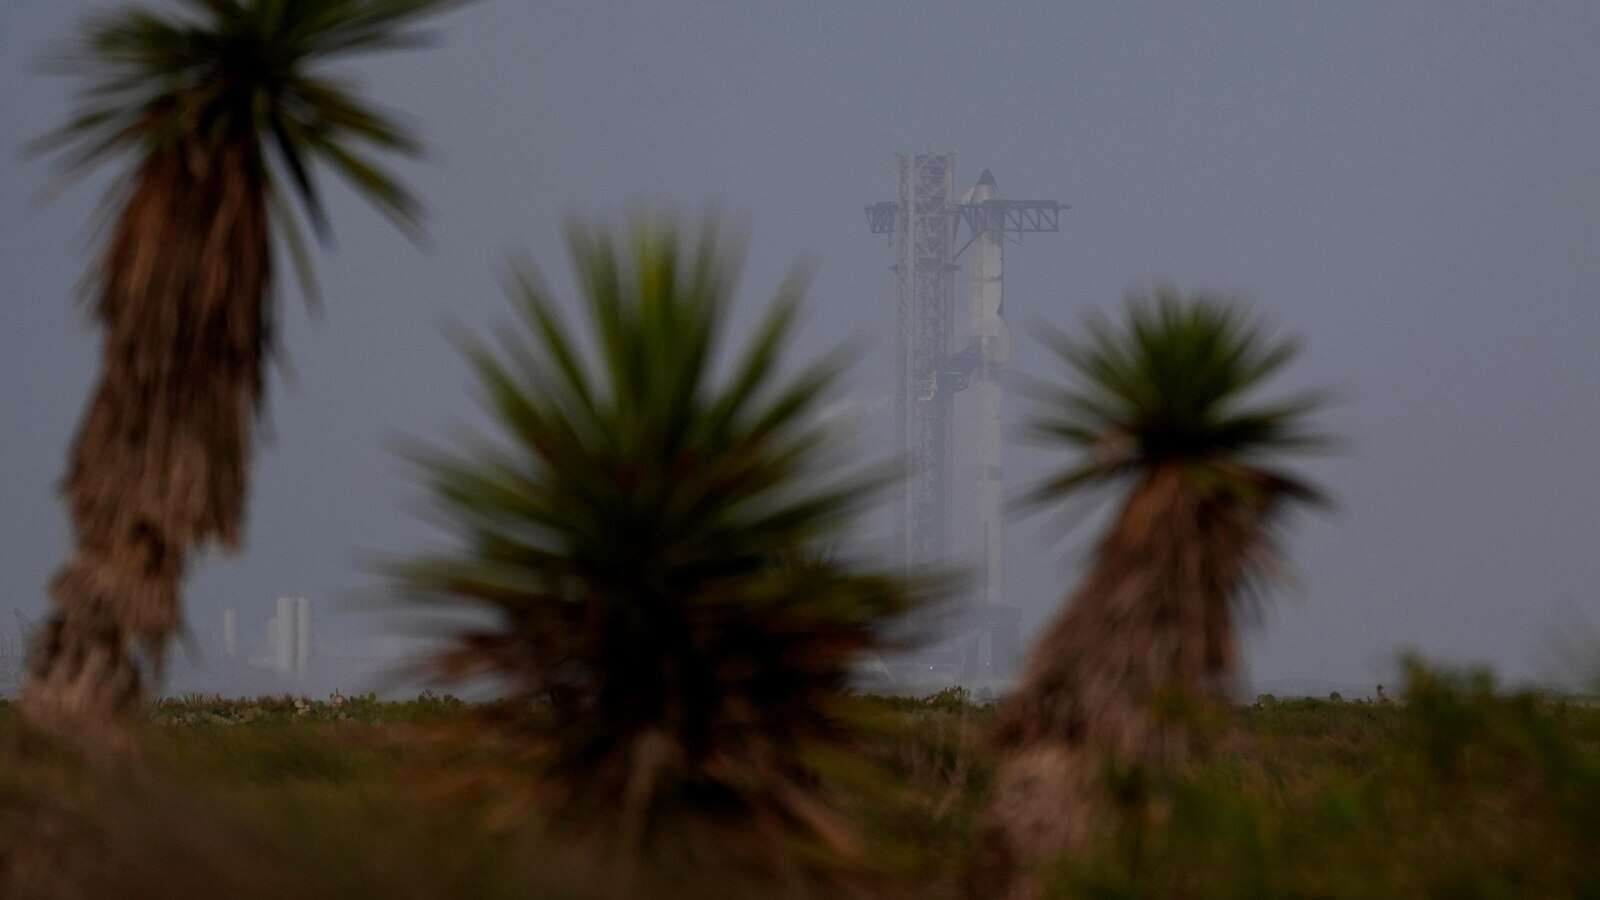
[(222, 116), (643, 531), (1165, 412)]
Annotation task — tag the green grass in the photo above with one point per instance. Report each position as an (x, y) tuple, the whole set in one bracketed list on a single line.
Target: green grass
[(1457, 793)]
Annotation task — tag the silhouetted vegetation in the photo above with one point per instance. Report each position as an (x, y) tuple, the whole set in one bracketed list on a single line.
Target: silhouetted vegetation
[(645, 534), (1458, 792), (1164, 415), (221, 114), (1454, 790)]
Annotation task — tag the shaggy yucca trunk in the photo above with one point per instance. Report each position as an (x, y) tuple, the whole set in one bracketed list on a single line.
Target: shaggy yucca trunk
[(1164, 409), (217, 108), (160, 462), (1149, 632)]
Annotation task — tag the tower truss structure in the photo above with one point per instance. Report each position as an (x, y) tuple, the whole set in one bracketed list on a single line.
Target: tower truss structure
[(926, 224)]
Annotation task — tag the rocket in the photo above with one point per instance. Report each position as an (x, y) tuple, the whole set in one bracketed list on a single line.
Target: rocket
[(986, 318), (950, 358)]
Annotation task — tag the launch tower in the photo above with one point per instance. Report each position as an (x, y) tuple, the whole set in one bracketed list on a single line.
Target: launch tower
[(926, 222)]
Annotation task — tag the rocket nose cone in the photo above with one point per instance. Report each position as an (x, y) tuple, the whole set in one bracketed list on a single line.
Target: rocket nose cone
[(987, 179)]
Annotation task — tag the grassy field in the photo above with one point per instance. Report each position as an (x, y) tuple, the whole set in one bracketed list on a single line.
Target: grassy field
[(1457, 792)]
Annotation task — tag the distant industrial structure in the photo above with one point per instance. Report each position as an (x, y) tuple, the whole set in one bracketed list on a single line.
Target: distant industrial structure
[(287, 646), (941, 350)]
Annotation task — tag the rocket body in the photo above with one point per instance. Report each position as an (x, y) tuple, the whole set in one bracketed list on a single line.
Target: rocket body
[(985, 300)]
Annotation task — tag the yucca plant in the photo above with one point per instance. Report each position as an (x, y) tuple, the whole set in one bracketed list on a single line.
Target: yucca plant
[(653, 532), (222, 113), (1164, 412)]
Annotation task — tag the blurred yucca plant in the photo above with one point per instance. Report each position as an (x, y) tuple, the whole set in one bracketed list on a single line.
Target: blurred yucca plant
[(223, 112), (1165, 411), (648, 538)]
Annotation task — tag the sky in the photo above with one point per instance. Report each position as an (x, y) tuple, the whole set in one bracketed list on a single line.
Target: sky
[(1413, 189)]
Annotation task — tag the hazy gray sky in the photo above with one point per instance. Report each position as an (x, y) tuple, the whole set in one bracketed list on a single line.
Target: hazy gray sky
[(1413, 187)]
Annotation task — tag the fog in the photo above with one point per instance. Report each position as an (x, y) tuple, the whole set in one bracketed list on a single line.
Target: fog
[(1412, 188)]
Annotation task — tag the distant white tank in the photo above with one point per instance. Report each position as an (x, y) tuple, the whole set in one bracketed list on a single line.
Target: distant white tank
[(230, 634), (283, 636), (302, 634)]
